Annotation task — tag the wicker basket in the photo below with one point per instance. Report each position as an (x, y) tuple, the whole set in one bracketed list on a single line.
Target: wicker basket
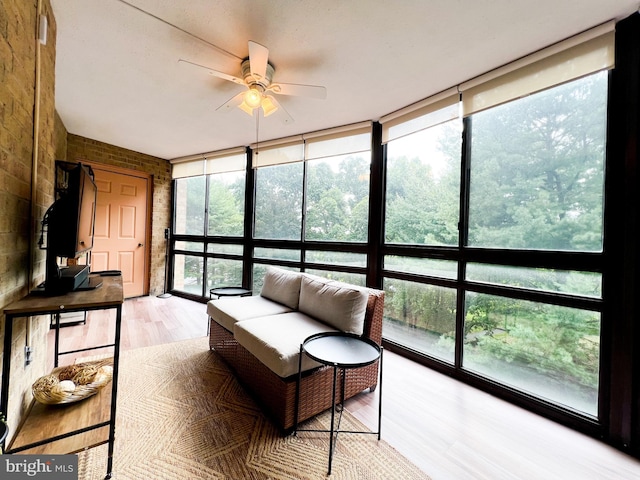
[(87, 377)]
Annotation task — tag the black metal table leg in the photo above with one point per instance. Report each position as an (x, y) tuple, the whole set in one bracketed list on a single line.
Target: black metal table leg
[(333, 415), (6, 368), (114, 392)]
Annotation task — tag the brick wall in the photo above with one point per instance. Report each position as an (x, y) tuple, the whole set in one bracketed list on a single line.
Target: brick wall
[(26, 186), (81, 148)]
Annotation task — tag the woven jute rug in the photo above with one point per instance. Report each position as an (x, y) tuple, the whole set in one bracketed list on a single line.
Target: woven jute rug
[(182, 415)]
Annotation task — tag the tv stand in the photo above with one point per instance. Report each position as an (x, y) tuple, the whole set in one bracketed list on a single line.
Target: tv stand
[(86, 424)]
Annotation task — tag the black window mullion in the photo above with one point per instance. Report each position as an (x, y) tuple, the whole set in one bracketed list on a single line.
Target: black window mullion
[(377, 195), (205, 261), (249, 213), (303, 207), (463, 235)]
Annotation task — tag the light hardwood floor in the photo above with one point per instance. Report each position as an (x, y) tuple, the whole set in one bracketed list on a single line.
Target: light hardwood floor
[(448, 429)]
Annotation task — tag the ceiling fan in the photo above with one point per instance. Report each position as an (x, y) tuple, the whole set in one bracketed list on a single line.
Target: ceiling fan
[(257, 75)]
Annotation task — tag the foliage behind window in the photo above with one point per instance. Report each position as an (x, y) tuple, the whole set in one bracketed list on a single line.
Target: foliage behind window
[(278, 213), (537, 170), (337, 203), (423, 186), (226, 204)]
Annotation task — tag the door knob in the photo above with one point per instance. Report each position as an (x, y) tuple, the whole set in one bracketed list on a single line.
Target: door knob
[(141, 245)]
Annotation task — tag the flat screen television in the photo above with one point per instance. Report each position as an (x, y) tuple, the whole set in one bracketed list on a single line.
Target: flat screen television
[(70, 224), (72, 219)]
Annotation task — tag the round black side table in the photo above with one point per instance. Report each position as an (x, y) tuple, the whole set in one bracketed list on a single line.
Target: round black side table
[(341, 351), (220, 292), (229, 292)]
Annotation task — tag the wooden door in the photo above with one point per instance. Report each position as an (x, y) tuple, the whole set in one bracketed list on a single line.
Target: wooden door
[(120, 229)]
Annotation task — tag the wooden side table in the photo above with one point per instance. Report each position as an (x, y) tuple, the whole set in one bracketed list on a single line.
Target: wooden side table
[(92, 421)]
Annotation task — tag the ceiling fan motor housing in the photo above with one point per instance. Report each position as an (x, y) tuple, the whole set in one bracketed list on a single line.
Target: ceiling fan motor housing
[(250, 79)]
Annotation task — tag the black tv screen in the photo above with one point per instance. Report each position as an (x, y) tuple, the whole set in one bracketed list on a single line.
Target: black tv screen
[(72, 220)]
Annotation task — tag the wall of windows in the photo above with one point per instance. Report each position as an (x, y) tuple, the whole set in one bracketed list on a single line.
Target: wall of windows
[(537, 183), (480, 212), (315, 187), (530, 179), (312, 204), (308, 189), (208, 222)]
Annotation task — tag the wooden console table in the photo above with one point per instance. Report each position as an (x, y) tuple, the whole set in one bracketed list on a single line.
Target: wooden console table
[(78, 426)]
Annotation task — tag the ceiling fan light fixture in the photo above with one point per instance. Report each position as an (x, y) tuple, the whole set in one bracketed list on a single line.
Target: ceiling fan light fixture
[(253, 97), (246, 108), (257, 74), (268, 106)]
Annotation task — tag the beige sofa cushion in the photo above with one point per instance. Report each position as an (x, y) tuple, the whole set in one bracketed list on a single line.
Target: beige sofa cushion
[(228, 311), (275, 340), (338, 304), (282, 286)]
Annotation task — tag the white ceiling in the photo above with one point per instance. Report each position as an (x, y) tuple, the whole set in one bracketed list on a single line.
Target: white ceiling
[(118, 79)]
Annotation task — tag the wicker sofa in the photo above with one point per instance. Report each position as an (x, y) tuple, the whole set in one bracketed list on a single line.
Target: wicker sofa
[(260, 336)]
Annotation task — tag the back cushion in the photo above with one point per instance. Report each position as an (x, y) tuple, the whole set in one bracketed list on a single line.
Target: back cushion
[(282, 286), (337, 304)]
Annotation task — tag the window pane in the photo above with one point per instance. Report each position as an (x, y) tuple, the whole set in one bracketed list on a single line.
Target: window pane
[(537, 170), (225, 248), (337, 258), (549, 351), (226, 204), (420, 317), (223, 273), (422, 266), (190, 246), (279, 202), (190, 198), (277, 254), (423, 186), (187, 274), (588, 284), (352, 278), (337, 207)]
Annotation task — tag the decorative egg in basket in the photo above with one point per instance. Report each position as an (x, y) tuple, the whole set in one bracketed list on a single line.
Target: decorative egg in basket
[(73, 383)]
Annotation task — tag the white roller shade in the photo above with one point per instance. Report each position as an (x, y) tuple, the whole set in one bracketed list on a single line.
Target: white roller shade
[(573, 58), (277, 152), (338, 141), (188, 169), (230, 160), (427, 113), (230, 163)]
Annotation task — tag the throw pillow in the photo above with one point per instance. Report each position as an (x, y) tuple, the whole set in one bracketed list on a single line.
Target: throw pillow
[(337, 304), (282, 286)]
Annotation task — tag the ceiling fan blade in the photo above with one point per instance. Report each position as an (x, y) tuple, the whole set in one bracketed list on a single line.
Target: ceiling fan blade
[(215, 73), (234, 102), (258, 59), (312, 91), (279, 111)]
